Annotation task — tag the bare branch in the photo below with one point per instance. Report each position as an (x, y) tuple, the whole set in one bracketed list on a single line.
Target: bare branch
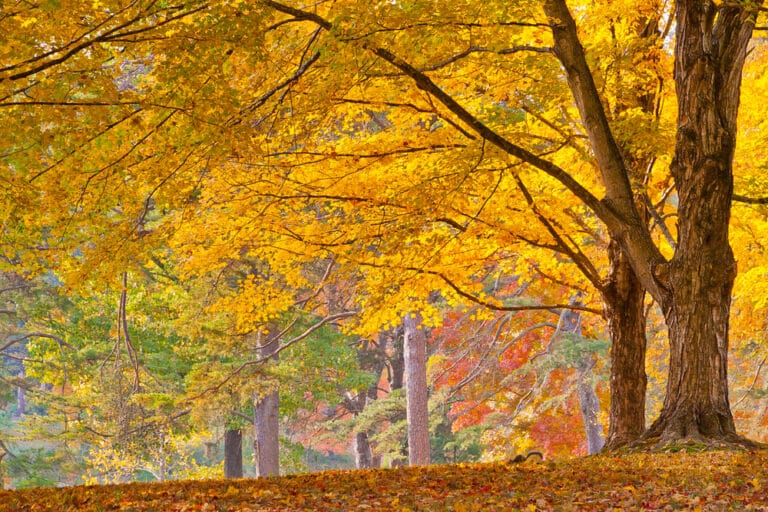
[(23, 337), (415, 149), (754, 381), (480, 49), (481, 302), (576, 255), (266, 96), (273, 353), (241, 415), (659, 221)]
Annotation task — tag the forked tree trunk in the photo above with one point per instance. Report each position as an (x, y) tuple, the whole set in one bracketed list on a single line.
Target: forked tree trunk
[(370, 358), (417, 412), (709, 57), (623, 294), (694, 287), (233, 453), (397, 381)]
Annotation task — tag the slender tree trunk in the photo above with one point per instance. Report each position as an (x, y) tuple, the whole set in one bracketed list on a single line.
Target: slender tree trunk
[(21, 397), (623, 299), (267, 443), (266, 449), (397, 381), (373, 394), (362, 448), (371, 358), (397, 361), (588, 400), (590, 408), (709, 56), (233, 453), (417, 412)]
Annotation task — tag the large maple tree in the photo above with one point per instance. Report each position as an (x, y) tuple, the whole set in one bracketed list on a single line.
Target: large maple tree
[(416, 141)]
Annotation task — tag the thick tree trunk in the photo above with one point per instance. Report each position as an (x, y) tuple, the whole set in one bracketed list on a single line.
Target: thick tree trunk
[(417, 412), (694, 288), (709, 56), (623, 299), (267, 443), (623, 294), (266, 446), (233, 453)]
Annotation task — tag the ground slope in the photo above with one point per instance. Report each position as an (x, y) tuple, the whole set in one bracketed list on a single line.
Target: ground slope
[(703, 481)]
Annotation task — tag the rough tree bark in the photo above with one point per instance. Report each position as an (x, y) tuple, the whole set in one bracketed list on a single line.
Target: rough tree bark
[(266, 446), (694, 287), (710, 51), (233, 453), (622, 293), (623, 299), (417, 412)]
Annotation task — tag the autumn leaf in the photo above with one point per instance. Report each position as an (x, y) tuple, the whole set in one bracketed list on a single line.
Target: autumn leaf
[(714, 480)]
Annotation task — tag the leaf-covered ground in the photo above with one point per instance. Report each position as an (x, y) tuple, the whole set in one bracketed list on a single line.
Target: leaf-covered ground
[(704, 481)]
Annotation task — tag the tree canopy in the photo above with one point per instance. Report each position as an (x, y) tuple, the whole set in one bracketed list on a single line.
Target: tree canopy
[(271, 165)]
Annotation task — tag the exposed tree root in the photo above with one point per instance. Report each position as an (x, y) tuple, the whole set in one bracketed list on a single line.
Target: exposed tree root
[(692, 444)]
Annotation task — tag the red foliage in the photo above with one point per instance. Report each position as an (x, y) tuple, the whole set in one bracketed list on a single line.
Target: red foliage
[(468, 413)]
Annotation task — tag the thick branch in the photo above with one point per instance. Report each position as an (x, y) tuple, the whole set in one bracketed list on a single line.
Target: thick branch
[(750, 200), (630, 230), (617, 211), (425, 83), (569, 51)]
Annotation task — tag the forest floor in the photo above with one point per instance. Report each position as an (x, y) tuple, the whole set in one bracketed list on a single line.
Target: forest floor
[(707, 481)]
